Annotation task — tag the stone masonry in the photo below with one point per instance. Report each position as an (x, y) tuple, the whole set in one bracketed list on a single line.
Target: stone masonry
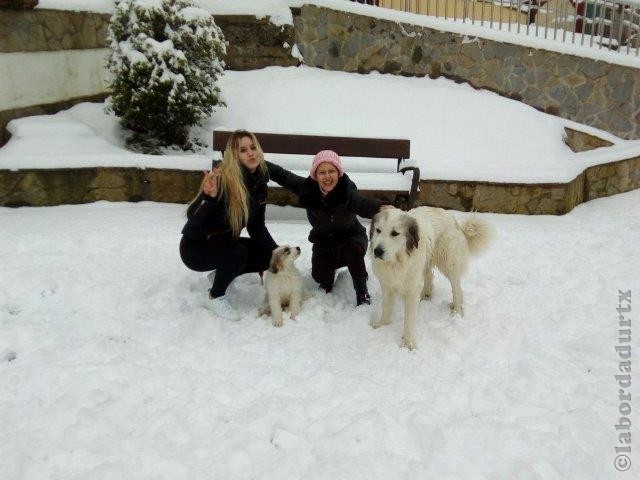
[(44, 187), (46, 30), (595, 93), (256, 43)]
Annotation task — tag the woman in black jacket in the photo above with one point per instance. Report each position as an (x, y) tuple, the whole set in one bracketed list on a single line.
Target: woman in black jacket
[(332, 202), (232, 196)]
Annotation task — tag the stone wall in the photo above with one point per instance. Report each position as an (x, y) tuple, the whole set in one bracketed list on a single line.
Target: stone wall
[(595, 93), (611, 178), (256, 43), (538, 199), (45, 187), (47, 30), (583, 142)]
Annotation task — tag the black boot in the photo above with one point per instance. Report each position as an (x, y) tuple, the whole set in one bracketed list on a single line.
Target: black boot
[(327, 287), (362, 294)]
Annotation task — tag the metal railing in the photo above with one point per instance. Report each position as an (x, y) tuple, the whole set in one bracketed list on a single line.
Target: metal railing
[(603, 24)]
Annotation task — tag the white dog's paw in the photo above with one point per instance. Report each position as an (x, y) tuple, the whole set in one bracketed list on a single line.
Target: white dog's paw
[(409, 343), (456, 311), (380, 323), (277, 322), (425, 296), (264, 310)]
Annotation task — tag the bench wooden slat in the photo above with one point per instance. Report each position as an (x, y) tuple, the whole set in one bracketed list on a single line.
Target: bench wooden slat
[(312, 144), (370, 181)]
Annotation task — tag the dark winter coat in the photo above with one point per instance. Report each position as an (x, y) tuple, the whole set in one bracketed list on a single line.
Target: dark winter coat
[(333, 216), (207, 216)]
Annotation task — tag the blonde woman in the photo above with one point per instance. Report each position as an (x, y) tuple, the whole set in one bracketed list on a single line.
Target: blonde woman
[(232, 196)]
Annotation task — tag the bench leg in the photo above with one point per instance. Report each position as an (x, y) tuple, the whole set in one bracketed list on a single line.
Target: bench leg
[(402, 202)]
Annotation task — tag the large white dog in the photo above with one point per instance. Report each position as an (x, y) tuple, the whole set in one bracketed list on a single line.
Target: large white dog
[(404, 248)]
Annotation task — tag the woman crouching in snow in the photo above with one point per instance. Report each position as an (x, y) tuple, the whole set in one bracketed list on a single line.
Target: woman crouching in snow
[(232, 196), (332, 202)]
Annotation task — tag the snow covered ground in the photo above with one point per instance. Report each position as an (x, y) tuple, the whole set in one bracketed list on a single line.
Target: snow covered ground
[(110, 368), (456, 132)]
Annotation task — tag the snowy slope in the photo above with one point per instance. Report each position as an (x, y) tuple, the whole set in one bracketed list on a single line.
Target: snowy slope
[(456, 132), (111, 369)]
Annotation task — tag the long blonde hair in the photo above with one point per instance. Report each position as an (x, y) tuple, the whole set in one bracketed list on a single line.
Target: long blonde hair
[(232, 185)]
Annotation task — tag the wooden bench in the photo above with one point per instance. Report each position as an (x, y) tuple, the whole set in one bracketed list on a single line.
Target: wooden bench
[(373, 178)]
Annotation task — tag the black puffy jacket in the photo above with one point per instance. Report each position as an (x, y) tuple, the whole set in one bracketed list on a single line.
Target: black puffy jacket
[(333, 216), (207, 216)]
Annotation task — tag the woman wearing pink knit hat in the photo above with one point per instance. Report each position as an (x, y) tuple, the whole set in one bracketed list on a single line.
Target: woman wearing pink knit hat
[(332, 202)]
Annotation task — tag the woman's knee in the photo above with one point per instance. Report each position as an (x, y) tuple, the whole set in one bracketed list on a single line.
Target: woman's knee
[(353, 254), (353, 250), (236, 257)]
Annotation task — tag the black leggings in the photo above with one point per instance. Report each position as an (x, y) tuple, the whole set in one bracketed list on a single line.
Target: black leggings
[(229, 258), (324, 263)]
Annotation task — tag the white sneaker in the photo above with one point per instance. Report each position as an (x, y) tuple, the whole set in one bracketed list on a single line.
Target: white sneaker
[(221, 307)]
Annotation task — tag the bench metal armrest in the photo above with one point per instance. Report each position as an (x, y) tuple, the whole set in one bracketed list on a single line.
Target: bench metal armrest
[(415, 182)]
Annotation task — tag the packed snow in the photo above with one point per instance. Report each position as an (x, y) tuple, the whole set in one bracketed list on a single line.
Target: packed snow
[(110, 367), (456, 132)]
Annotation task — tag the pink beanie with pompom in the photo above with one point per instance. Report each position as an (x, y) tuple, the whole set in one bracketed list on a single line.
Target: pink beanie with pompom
[(326, 156)]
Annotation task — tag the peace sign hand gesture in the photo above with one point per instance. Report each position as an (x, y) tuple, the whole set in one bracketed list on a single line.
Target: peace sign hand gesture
[(210, 185)]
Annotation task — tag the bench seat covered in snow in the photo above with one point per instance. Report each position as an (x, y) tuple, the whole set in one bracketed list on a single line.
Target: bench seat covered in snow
[(376, 165)]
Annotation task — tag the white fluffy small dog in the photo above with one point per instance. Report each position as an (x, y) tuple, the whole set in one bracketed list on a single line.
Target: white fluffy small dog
[(405, 246), (283, 285)]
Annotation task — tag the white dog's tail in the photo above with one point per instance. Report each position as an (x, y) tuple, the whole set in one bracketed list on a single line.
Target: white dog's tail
[(478, 234)]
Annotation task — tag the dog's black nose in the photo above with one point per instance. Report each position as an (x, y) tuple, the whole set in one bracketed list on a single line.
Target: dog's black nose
[(378, 252), (298, 249)]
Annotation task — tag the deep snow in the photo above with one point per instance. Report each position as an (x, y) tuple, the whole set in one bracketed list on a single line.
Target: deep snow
[(111, 368)]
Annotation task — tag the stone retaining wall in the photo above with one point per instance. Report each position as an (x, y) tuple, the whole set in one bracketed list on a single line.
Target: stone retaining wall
[(591, 92), (34, 187), (611, 178), (47, 30), (256, 43)]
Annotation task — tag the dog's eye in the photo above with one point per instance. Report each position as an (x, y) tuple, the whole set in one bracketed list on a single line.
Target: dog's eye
[(377, 230), (286, 250), (394, 233)]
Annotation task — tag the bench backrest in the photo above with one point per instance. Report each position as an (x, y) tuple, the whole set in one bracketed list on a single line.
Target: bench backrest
[(312, 144)]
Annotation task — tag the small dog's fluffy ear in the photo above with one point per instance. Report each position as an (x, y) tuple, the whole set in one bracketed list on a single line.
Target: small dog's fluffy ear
[(412, 233), (276, 263)]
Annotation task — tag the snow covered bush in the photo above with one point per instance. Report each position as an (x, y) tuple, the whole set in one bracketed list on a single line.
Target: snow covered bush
[(164, 62)]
